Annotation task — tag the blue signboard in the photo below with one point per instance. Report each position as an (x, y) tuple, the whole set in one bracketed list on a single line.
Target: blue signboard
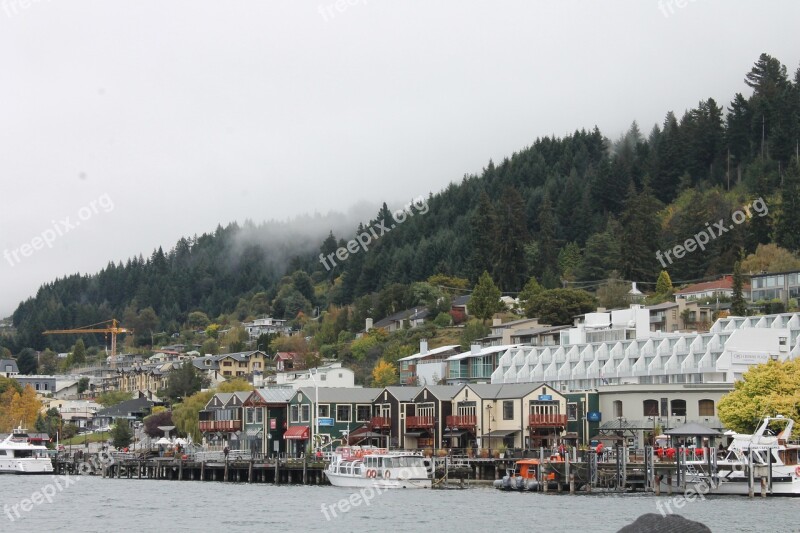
[(325, 421), (593, 416), (545, 398)]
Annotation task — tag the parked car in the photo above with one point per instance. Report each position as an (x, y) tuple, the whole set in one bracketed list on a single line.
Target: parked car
[(81, 431)]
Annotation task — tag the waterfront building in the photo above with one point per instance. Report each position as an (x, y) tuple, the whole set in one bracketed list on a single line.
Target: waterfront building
[(390, 409), (221, 423), (514, 415), (340, 410), (426, 417), (265, 416), (602, 351)]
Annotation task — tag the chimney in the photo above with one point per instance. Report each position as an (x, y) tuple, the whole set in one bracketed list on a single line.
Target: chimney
[(423, 346), (475, 349), (496, 322), (368, 325)]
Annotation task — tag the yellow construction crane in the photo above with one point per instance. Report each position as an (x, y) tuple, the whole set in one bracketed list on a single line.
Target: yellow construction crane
[(113, 329)]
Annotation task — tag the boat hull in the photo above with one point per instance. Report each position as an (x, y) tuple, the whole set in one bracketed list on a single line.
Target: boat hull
[(340, 480), (738, 486), (26, 467)]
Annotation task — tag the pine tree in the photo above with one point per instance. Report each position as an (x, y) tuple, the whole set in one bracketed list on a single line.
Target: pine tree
[(485, 300), (640, 235), (512, 233), (786, 231), (664, 284), (548, 246), (738, 304), (483, 236)]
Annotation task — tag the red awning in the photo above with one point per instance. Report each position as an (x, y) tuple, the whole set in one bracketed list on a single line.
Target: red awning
[(296, 433)]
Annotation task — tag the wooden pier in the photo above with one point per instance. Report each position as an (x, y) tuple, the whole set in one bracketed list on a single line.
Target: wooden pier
[(622, 473)]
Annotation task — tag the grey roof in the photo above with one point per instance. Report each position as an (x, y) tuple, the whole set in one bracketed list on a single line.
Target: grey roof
[(6, 362), (276, 394), (693, 429), (504, 390), (661, 306), (461, 300), (444, 392), (342, 394), (239, 356), (514, 322), (404, 394), (126, 408), (410, 314), (200, 362)]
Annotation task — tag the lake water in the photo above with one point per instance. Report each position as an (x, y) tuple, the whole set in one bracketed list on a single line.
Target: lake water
[(90, 504)]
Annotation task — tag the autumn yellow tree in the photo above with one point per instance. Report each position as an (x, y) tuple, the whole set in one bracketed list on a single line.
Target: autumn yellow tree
[(384, 374), (764, 390), (19, 409)]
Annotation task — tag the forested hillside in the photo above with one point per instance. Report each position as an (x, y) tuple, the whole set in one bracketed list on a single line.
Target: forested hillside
[(566, 209)]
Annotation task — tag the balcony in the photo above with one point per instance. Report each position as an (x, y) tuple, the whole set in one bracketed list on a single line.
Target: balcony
[(419, 422), (220, 425), (462, 421), (380, 422), (547, 421)]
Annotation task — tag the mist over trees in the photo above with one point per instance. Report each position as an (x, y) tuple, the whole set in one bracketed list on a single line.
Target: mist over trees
[(575, 208)]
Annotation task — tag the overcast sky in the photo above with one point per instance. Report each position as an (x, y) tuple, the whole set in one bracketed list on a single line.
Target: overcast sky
[(126, 125)]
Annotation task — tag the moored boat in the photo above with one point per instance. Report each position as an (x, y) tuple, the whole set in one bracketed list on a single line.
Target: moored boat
[(377, 467), (525, 475), (771, 456), (19, 456)]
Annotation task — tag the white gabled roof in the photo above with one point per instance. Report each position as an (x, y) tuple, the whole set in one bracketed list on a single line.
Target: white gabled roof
[(484, 351), (435, 351)]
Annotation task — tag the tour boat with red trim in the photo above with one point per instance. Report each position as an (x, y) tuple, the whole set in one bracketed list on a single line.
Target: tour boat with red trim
[(355, 466)]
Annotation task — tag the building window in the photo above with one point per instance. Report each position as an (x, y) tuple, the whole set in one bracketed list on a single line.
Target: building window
[(572, 411), (678, 407), (363, 413), (249, 415), (323, 377), (259, 416), (706, 407), (508, 409), (37, 386), (618, 409), (650, 407), (343, 413), (324, 411), (305, 413), (294, 413)]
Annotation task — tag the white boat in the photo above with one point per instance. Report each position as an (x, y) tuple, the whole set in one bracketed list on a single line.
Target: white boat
[(19, 456), (772, 457), (353, 466)]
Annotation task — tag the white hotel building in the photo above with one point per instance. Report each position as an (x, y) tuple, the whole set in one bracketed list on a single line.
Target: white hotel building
[(646, 377)]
